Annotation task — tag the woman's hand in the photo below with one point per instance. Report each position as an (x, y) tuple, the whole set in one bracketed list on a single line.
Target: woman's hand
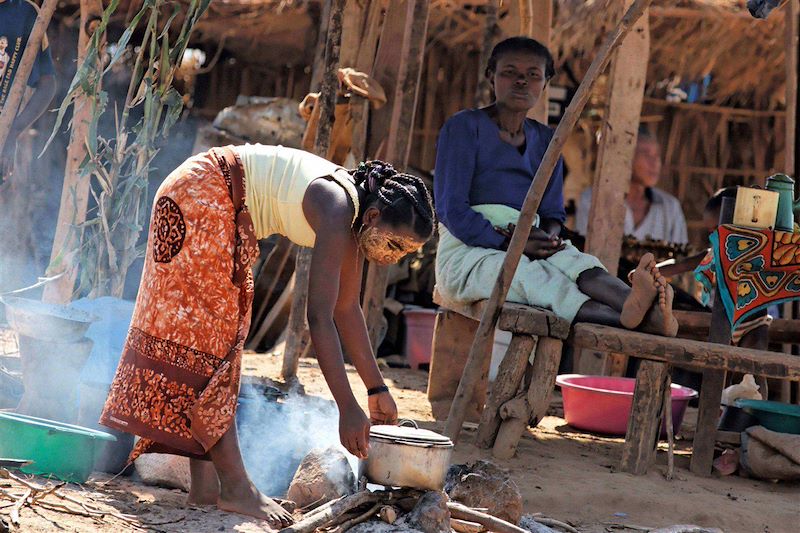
[(540, 245), (382, 409), (354, 431)]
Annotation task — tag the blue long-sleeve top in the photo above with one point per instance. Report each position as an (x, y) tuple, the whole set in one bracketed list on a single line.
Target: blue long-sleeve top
[(474, 166)]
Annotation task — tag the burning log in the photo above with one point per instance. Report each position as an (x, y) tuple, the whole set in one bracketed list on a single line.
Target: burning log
[(328, 513)]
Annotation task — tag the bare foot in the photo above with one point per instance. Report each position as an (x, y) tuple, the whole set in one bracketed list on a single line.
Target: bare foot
[(644, 289), (246, 499), (660, 320)]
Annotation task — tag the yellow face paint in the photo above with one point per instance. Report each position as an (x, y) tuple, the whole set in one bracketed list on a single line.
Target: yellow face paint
[(384, 247)]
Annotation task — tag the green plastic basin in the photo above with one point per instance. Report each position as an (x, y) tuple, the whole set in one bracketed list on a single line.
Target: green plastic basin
[(777, 416), (59, 450)]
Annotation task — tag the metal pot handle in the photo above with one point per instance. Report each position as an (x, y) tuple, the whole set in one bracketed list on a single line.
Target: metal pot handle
[(408, 423)]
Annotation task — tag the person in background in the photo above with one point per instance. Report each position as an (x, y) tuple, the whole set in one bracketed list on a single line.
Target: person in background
[(485, 161), (16, 22), (650, 212)]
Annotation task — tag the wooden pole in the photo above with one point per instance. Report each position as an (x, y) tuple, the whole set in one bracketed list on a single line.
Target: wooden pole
[(792, 18), (538, 27), (297, 339), (32, 48), (404, 104), (617, 145), (483, 337), (75, 191)]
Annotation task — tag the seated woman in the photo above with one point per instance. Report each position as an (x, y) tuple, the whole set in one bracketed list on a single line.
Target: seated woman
[(178, 379), (485, 161)]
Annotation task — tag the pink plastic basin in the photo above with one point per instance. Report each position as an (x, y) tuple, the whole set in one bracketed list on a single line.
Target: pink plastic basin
[(603, 404), (419, 335)]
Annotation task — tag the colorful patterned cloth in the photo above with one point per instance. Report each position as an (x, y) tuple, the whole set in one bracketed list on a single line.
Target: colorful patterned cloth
[(759, 268), (178, 379)]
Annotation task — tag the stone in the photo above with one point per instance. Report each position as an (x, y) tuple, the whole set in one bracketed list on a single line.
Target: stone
[(323, 475), (484, 485), (430, 515), (164, 470)]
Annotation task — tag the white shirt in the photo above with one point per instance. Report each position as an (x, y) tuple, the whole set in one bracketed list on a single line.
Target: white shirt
[(664, 220)]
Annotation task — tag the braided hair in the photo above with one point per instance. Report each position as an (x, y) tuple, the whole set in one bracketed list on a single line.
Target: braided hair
[(401, 198)]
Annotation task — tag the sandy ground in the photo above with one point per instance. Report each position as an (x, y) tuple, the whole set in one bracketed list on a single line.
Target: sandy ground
[(561, 473)]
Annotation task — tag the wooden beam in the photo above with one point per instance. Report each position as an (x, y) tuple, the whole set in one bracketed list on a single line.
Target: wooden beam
[(490, 32), (695, 326), (617, 145), (298, 339), (75, 191), (539, 28), (481, 345), (32, 48)]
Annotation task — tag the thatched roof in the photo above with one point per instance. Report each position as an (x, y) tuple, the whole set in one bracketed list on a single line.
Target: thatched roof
[(690, 39)]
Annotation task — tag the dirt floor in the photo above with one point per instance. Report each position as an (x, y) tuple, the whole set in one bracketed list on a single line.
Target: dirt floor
[(561, 473)]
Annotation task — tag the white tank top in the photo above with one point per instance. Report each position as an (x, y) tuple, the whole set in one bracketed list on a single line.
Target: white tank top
[(276, 179)]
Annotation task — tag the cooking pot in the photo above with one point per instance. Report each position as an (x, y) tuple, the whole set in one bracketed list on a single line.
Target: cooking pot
[(406, 456)]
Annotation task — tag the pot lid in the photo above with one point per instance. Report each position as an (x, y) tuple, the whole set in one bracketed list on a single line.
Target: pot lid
[(412, 435), (783, 178)]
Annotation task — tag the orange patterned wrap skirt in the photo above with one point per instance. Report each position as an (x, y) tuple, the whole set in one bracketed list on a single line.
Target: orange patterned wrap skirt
[(177, 381)]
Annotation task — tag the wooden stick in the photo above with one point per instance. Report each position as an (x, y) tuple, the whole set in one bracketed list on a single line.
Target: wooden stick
[(483, 337), (32, 48), (298, 338), (462, 512), (341, 506), (670, 436), (18, 505), (360, 518), (463, 526)]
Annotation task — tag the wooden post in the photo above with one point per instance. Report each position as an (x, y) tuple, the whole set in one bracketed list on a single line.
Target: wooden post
[(75, 191), (713, 380), (398, 146), (480, 346), (490, 32), (297, 339), (644, 424), (506, 385), (359, 107), (32, 48), (617, 145), (537, 24)]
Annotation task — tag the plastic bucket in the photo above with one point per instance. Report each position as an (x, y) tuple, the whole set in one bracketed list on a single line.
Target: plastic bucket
[(602, 404), (60, 450), (419, 335)]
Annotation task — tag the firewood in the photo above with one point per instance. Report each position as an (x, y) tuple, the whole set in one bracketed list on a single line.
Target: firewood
[(360, 518), (463, 526), (462, 512), (337, 509)]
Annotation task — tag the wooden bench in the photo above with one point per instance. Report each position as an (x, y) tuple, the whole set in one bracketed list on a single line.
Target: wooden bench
[(525, 379), (659, 353)]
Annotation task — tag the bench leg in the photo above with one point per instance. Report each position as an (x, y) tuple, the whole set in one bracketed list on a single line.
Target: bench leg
[(644, 423), (707, 418), (505, 387), (543, 379)]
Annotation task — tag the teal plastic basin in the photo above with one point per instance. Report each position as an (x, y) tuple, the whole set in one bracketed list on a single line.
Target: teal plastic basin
[(58, 450), (777, 416)]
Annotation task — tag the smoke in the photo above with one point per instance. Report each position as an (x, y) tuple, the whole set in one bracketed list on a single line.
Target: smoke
[(274, 436)]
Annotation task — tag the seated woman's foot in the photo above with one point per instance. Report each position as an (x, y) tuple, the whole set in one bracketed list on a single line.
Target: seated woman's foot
[(660, 320), (246, 499), (644, 289)]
